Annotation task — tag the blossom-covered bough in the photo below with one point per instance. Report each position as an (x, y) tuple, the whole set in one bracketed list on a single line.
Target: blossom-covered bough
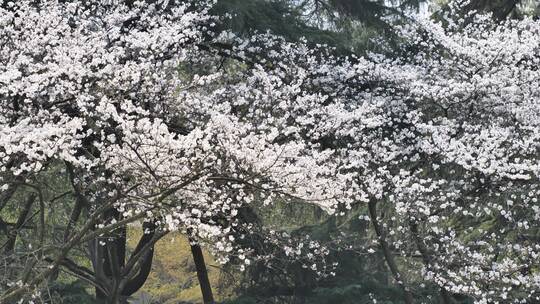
[(445, 139), (142, 112), (481, 146), (461, 176), (114, 113)]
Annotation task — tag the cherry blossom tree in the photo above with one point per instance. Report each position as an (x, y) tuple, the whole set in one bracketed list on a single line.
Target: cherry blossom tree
[(142, 113), (470, 197), (444, 141), (450, 153)]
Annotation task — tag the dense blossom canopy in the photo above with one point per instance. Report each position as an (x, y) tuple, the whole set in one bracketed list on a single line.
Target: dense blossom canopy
[(152, 113), (157, 114), (102, 87), (463, 180)]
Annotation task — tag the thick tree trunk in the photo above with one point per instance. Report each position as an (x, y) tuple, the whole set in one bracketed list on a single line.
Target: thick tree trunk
[(114, 297), (446, 297), (121, 278), (202, 274), (110, 260), (96, 257), (390, 262)]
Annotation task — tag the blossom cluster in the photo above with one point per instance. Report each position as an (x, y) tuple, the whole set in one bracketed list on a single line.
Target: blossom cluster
[(154, 113)]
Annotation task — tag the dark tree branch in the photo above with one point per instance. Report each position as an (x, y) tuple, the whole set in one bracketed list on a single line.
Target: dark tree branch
[(202, 273), (390, 262), (10, 244)]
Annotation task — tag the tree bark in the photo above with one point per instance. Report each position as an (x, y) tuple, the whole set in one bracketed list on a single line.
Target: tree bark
[(202, 274), (114, 297), (137, 281), (12, 237), (390, 262), (110, 258), (446, 297), (96, 257), (121, 278)]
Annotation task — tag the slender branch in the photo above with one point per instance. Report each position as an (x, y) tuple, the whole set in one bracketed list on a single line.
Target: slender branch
[(10, 244), (80, 201)]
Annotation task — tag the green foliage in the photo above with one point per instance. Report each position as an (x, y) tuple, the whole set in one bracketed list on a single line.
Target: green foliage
[(278, 17), (70, 293), (242, 300), (355, 294), (346, 25), (359, 277)]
